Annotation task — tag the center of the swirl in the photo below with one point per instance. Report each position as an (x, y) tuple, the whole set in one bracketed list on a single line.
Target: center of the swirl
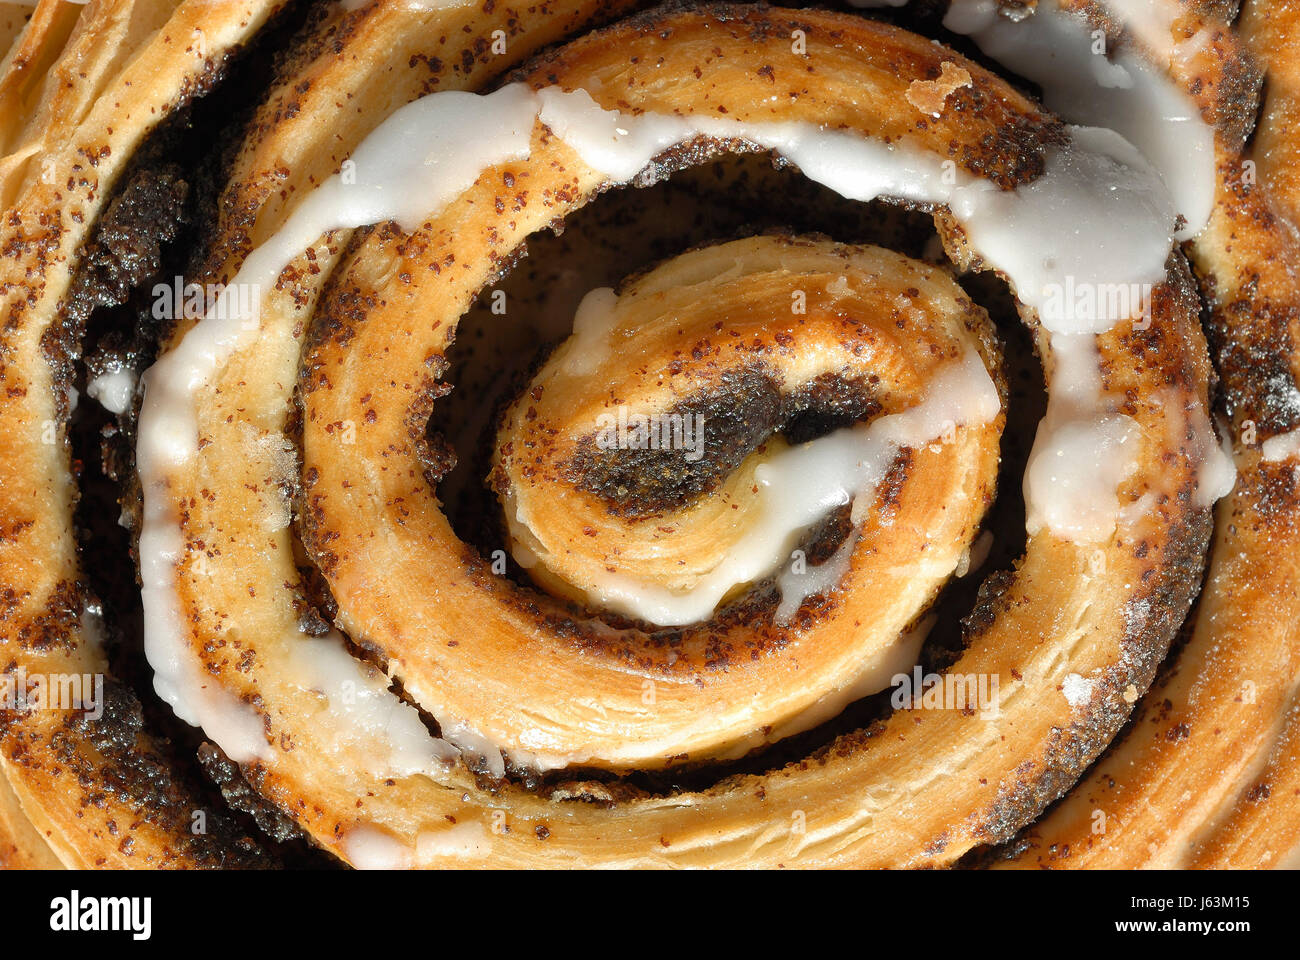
[(684, 442)]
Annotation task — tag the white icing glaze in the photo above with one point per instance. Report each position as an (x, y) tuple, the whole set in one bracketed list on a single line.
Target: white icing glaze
[(1152, 23), (178, 677), (361, 712), (1082, 451), (820, 579), (1100, 214), (369, 848), (1077, 453), (113, 390), (1100, 219), (1280, 447), (1218, 471), (1080, 239), (589, 345), (1071, 480), (1124, 91), (1150, 20), (473, 744)]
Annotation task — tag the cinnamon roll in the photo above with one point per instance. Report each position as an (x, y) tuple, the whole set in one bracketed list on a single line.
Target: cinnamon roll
[(608, 434)]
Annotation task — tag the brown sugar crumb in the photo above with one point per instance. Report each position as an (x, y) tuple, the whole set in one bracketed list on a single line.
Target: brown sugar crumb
[(930, 96)]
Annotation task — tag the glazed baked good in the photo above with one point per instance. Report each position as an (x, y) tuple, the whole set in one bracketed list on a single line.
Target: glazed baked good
[(624, 554)]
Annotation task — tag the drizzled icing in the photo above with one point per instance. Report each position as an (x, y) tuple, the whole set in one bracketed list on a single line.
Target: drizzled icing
[(113, 389), (1084, 448), (1100, 213), (1152, 22), (1280, 447), (1081, 453), (369, 848), (362, 712), (1122, 91), (428, 152)]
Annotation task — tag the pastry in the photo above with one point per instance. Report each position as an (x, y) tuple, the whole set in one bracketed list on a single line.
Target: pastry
[(617, 435)]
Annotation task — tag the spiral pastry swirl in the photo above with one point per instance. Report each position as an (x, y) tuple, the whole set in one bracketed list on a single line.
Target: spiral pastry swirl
[(604, 434)]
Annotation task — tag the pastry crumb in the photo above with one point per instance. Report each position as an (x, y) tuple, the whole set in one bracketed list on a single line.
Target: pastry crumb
[(930, 96)]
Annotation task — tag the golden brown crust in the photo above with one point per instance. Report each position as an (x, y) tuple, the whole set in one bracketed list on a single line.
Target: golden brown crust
[(363, 325), (21, 845)]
